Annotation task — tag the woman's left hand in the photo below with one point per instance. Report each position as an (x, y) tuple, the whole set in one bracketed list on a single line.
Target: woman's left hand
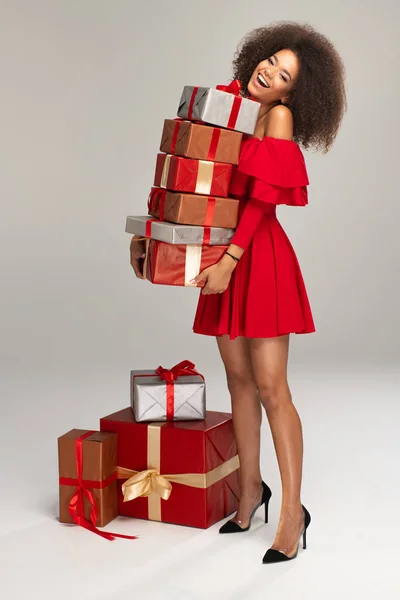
[(217, 278)]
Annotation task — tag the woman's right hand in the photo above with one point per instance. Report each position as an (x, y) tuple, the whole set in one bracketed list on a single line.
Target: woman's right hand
[(137, 255)]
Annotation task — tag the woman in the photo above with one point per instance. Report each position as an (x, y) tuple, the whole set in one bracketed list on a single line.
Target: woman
[(255, 297)]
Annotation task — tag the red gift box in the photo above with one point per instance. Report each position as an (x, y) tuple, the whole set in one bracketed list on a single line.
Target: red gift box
[(184, 472), (193, 176), (177, 264)]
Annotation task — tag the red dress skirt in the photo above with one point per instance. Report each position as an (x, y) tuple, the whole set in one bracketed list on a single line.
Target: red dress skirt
[(266, 296)]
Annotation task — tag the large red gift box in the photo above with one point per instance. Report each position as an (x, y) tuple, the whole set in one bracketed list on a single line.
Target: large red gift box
[(183, 472), (192, 176)]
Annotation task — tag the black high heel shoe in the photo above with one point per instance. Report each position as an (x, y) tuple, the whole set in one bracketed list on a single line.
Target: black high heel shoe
[(233, 527), (273, 556)]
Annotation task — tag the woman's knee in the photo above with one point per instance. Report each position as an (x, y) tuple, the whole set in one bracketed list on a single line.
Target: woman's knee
[(240, 381), (273, 393)]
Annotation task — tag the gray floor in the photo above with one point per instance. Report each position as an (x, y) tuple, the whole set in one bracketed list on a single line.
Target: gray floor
[(350, 485)]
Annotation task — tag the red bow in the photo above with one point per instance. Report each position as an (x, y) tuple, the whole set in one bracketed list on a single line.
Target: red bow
[(235, 87), (183, 368), (76, 508), (169, 376)]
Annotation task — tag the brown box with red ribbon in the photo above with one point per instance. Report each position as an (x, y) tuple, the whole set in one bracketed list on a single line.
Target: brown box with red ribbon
[(184, 472), (204, 142), (193, 209), (88, 477), (176, 394), (178, 264), (192, 176)]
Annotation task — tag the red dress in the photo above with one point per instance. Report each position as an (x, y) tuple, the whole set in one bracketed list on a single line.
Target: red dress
[(266, 296)]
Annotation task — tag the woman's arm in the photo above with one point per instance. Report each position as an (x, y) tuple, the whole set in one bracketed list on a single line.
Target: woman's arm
[(280, 125)]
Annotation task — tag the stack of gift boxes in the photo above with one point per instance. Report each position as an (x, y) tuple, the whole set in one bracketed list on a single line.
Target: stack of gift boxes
[(192, 219), (165, 457)]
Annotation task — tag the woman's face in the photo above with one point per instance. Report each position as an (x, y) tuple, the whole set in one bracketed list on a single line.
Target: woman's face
[(274, 78)]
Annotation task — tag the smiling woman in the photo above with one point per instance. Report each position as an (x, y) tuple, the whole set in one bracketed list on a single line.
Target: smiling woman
[(255, 296)]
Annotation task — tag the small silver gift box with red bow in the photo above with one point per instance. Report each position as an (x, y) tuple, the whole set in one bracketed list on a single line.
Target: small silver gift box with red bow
[(176, 394), (222, 106)]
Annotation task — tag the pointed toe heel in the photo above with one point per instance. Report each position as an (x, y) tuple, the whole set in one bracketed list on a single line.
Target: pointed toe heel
[(233, 527), (273, 556)]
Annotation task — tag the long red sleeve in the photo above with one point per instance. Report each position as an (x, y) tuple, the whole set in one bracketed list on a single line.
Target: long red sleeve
[(253, 213), (270, 172)]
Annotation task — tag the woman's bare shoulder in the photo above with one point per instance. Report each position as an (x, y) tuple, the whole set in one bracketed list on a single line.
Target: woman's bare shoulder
[(280, 123)]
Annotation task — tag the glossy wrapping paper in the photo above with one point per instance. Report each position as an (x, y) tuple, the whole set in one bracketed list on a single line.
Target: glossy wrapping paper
[(193, 176), (149, 397), (217, 107), (204, 142), (173, 233), (169, 264), (182, 448), (193, 209), (99, 460)]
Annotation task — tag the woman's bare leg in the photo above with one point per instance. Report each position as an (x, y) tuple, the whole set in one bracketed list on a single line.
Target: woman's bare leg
[(269, 358), (246, 415)]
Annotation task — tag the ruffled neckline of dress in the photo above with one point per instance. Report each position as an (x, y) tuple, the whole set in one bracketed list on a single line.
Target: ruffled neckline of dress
[(275, 161)]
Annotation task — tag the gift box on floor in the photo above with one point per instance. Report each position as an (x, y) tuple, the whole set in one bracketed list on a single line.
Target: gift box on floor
[(204, 142), (94, 453), (176, 394), (223, 107), (173, 233), (183, 472), (193, 209), (177, 264), (192, 175)]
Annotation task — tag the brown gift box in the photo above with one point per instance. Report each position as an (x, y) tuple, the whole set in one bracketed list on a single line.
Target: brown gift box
[(193, 209), (99, 452), (203, 142)]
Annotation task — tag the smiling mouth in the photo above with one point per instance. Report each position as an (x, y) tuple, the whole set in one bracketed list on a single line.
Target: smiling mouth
[(262, 81)]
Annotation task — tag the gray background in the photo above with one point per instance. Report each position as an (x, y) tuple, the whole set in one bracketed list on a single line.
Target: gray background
[(85, 86)]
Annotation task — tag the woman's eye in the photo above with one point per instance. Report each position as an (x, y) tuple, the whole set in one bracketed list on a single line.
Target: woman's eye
[(284, 78), (271, 61)]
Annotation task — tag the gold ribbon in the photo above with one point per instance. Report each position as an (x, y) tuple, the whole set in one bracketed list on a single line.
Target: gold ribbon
[(192, 263), (204, 177), (165, 171), (151, 484), (146, 257)]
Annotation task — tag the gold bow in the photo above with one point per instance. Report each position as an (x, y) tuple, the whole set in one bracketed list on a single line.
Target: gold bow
[(144, 483)]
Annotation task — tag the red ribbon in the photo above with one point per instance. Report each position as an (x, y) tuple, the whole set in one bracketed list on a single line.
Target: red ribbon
[(157, 193), (191, 104), (208, 221), (234, 88), (76, 507), (212, 151), (170, 376), (148, 227)]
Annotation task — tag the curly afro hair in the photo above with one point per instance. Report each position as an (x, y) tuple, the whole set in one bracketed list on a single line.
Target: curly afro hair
[(318, 100)]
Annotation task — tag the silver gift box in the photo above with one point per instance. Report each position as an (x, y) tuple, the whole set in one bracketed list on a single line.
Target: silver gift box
[(214, 107), (149, 397), (178, 234)]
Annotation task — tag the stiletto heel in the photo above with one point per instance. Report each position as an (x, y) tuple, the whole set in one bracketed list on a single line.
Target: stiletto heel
[(273, 556), (233, 527)]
